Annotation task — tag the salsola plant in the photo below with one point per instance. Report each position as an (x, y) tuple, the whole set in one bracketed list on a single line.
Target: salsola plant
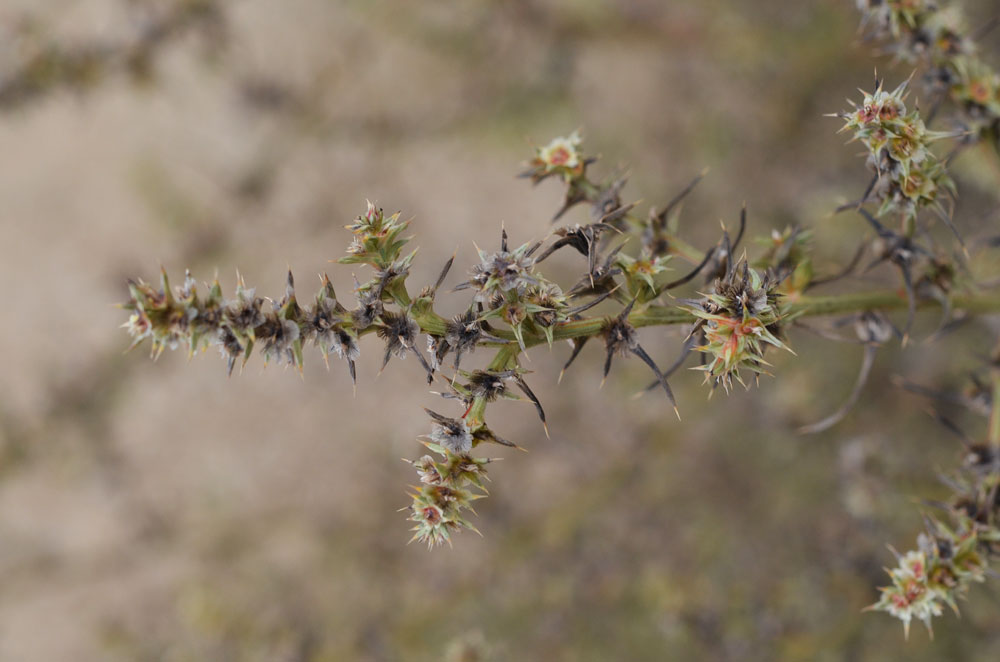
[(737, 310)]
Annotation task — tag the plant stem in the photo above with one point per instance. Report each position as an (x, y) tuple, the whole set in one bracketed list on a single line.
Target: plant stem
[(805, 306), (499, 363), (659, 315)]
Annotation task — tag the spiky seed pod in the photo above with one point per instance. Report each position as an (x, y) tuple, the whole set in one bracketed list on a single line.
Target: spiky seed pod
[(502, 274), (369, 309), (484, 435), (462, 334), (486, 385), (607, 206), (450, 433), (324, 318), (622, 339), (345, 346), (277, 336), (584, 238), (547, 306), (230, 347), (243, 314), (463, 469), (399, 331), (601, 278)]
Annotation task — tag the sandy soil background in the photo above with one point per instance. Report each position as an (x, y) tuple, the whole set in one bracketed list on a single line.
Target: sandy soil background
[(162, 511)]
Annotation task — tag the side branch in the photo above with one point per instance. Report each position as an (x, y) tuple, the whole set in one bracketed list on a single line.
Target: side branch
[(805, 306)]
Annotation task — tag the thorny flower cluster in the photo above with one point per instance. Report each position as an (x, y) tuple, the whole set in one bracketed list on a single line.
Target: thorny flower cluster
[(909, 177), (735, 310), (950, 557), (933, 36), (943, 567)]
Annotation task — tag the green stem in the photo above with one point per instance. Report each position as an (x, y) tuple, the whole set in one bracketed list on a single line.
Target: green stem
[(659, 315), (501, 361)]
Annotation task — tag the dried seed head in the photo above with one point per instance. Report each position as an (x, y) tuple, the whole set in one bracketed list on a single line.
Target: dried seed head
[(744, 292), (872, 327), (229, 346), (462, 334), (502, 273), (620, 337), (607, 206), (278, 335), (321, 323), (244, 314), (399, 331), (369, 309), (450, 433), (427, 470), (345, 345), (487, 385)]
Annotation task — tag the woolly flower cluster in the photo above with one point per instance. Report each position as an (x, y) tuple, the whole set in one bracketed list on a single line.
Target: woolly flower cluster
[(908, 175), (736, 322), (447, 487), (939, 571)]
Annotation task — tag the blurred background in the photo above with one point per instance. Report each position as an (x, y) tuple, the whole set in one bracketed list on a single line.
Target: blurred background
[(162, 511)]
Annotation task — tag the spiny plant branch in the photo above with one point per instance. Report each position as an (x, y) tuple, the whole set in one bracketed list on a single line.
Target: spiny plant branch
[(735, 310), (954, 553)]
